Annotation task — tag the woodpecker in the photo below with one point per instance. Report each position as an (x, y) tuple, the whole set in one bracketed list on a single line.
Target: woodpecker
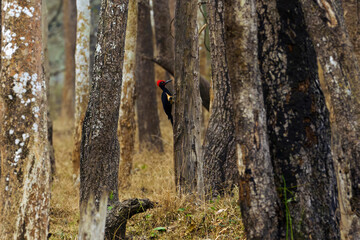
[(166, 98)]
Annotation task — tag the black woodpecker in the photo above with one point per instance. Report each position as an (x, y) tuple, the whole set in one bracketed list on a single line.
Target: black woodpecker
[(166, 98)]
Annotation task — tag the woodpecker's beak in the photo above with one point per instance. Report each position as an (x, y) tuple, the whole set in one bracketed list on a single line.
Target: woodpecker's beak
[(167, 81)]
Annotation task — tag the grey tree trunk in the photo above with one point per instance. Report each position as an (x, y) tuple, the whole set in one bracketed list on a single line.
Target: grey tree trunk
[(298, 124), (220, 169), (147, 114), (127, 124), (187, 149), (339, 77), (258, 198), (94, 18), (25, 176), (68, 93)]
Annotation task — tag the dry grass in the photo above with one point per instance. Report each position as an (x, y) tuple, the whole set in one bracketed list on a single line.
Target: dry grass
[(153, 178)]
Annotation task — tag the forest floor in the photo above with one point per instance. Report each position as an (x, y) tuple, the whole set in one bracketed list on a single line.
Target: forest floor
[(153, 177)]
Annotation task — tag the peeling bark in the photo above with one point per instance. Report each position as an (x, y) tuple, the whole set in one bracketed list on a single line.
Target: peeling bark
[(220, 171), (147, 115), (298, 123), (68, 93), (82, 59), (25, 177), (258, 199), (339, 75), (187, 150), (127, 124)]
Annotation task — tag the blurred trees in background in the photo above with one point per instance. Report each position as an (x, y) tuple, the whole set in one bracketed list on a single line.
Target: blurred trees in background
[(25, 166)]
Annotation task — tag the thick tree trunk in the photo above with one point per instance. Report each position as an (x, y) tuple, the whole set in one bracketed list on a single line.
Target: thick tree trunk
[(127, 124), (99, 160), (25, 178), (147, 115), (339, 78), (220, 171), (82, 59), (187, 149), (68, 92), (258, 198), (298, 123)]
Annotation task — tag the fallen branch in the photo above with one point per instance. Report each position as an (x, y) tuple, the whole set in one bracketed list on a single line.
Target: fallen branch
[(120, 212)]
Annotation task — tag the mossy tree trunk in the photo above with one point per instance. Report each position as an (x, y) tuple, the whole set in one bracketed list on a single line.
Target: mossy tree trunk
[(258, 199), (147, 111), (298, 123), (187, 148), (339, 76), (127, 124), (25, 177), (82, 60), (220, 169)]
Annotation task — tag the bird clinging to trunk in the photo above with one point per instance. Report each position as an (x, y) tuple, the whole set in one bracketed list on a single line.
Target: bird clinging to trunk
[(166, 98)]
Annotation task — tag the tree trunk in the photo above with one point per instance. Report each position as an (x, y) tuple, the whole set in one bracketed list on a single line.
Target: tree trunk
[(68, 94), (298, 124), (127, 124), (25, 178), (82, 59), (220, 171), (340, 80), (258, 198), (94, 18), (99, 159), (187, 149), (147, 115)]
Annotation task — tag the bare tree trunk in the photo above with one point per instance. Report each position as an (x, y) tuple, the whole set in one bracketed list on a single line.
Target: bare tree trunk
[(147, 115), (94, 18), (339, 78), (46, 68), (127, 124), (220, 171), (298, 124), (68, 94), (258, 198), (25, 178), (82, 59), (187, 149)]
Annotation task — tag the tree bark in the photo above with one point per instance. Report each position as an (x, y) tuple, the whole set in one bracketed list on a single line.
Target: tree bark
[(25, 178), (94, 18), (352, 21), (258, 198), (68, 93), (298, 124), (127, 124), (187, 150), (99, 159), (82, 59), (339, 78), (220, 171), (147, 115)]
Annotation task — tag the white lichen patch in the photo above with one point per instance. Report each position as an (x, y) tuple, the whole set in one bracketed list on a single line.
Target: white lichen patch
[(17, 155), (35, 127), (13, 9), (10, 97), (17, 141), (25, 136), (333, 62), (11, 131), (8, 47)]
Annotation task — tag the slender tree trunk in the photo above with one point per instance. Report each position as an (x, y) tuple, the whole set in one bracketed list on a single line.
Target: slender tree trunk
[(298, 124), (68, 94), (147, 115), (127, 124), (220, 171), (258, 198), (25, 178), (187, 149), (94, 18), (82, 59), (46, 67), (339, 78)]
